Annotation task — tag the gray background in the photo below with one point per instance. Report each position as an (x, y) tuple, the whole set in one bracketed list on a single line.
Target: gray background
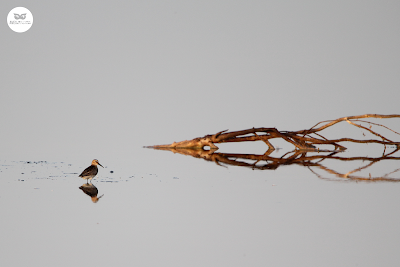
[(93, 79), (96, 79)]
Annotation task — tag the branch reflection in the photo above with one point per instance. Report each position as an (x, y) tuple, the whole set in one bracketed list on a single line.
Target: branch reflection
[(309, 159)]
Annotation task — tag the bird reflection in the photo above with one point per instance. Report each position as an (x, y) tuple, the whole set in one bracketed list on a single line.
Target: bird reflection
[(91, 191)]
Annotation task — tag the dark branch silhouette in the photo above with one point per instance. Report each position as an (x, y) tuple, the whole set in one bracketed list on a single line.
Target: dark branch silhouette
[(302, 140)]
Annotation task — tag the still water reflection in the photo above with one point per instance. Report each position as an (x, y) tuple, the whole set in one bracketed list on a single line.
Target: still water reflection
[(91, 190), (312, 160)]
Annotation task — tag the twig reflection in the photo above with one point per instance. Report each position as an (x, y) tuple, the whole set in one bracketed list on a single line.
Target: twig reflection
[(295, 157)]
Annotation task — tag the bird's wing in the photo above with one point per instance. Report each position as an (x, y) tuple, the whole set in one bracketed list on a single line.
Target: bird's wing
[(91, 170)]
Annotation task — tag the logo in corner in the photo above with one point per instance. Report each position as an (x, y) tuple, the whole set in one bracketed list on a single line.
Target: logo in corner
[(19, 16), (20, 19)]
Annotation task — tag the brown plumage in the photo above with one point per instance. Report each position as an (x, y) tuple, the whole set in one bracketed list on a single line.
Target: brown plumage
[(91, 171)]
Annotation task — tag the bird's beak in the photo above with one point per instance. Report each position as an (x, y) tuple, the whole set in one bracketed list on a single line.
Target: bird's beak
[(101, 165)]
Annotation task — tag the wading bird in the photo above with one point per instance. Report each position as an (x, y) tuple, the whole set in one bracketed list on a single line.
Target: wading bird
[(90, 171)]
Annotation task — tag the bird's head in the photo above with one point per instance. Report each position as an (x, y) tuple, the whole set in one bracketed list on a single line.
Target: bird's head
[(96, 162)]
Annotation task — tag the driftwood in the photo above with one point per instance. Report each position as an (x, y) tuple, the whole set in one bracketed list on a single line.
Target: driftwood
[(302, 140), (306, 142)]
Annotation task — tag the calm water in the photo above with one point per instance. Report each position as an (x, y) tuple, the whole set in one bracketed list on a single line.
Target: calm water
[(189, 212)]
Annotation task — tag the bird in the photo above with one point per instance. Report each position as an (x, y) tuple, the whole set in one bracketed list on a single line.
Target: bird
[(90, 171)]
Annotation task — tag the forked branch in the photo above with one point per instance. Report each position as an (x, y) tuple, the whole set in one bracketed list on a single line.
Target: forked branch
[(302, 140)]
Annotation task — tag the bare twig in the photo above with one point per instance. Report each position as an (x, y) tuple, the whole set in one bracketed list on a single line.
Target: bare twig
[(302, 139)]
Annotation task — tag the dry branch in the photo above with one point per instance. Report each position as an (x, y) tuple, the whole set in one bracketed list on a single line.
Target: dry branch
[(302, 140)]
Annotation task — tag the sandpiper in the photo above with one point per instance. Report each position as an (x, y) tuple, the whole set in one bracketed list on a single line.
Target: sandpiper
[(91, 171)]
